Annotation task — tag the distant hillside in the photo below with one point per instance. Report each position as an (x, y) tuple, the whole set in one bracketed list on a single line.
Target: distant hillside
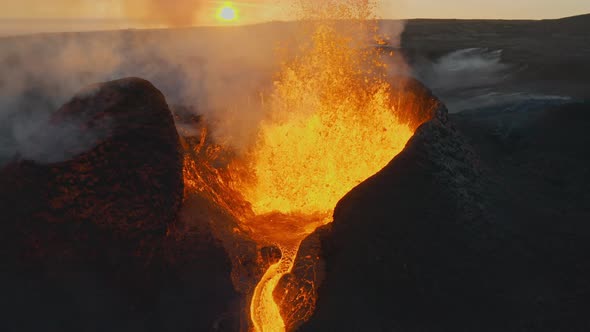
[(552, 54), (575, 24), (578, 18), (548, 56)]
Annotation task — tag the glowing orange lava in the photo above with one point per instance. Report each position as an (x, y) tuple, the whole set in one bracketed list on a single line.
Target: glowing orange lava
[(331, 125)]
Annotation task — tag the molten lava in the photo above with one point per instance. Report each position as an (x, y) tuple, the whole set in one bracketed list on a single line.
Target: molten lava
[(331, 125)]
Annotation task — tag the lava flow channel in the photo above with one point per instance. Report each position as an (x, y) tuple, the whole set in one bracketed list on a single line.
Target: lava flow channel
[(287, 232), (331, 124), (265, 313)]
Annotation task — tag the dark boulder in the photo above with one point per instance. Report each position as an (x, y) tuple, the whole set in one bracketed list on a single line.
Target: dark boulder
[(128, 187), (97, 242)]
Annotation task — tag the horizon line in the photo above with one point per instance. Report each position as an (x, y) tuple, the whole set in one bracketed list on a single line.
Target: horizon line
[(106, 19)]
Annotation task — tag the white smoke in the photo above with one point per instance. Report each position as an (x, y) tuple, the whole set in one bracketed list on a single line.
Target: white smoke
[(37, 75), (464, 69), (476, 78), (217, 72)]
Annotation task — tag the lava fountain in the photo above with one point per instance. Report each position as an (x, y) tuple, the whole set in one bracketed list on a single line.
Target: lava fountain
[(330, 126)]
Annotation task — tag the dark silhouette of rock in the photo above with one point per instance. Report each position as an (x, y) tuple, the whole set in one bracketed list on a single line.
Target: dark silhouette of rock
[(197, 289), (470, 228), (129, 185), (403, 241), (96, 243), (537, 181)]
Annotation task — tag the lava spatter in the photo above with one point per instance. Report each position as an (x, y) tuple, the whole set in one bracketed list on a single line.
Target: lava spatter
[(331, 124)]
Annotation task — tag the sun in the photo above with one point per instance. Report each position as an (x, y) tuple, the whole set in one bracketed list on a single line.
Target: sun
[(227, 12)]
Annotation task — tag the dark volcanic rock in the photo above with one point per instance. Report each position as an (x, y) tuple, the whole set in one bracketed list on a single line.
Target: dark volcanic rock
[(94, 243), (129, 185), (538, 179), (197, 291), (467, 229), (403, 242)]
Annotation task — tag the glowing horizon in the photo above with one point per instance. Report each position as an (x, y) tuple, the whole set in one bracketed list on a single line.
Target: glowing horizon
[(38, 16), (256, 11)]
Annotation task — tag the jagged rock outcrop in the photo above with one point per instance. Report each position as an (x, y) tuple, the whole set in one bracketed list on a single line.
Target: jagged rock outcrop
[(406, 240), (96, 242), (467, 229), (127, 186)]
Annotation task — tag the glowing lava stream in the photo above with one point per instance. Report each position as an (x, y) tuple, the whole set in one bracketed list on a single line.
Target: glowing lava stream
[(266, 316), (287, 232)]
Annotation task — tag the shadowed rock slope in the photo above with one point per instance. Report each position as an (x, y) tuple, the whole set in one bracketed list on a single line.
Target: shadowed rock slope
[(471, 228), (94, 243)]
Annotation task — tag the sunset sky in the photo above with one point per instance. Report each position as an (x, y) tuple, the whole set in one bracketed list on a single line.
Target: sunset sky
[(397, 8), (203, 12)]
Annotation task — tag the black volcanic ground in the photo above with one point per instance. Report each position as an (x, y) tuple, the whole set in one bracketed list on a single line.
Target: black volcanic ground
[(551, 55), (479, 225)]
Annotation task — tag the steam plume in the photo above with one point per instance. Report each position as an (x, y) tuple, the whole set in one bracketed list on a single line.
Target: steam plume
[(217, 73)]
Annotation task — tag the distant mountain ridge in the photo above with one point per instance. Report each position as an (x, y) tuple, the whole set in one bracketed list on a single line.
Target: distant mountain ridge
[(579, 24), (577, 18), (12, 27)]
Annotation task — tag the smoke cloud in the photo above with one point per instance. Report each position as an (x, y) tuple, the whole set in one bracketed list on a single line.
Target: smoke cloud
[(466, 78), (218, 73), (38, 75), (475, 79), (464, 69)]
